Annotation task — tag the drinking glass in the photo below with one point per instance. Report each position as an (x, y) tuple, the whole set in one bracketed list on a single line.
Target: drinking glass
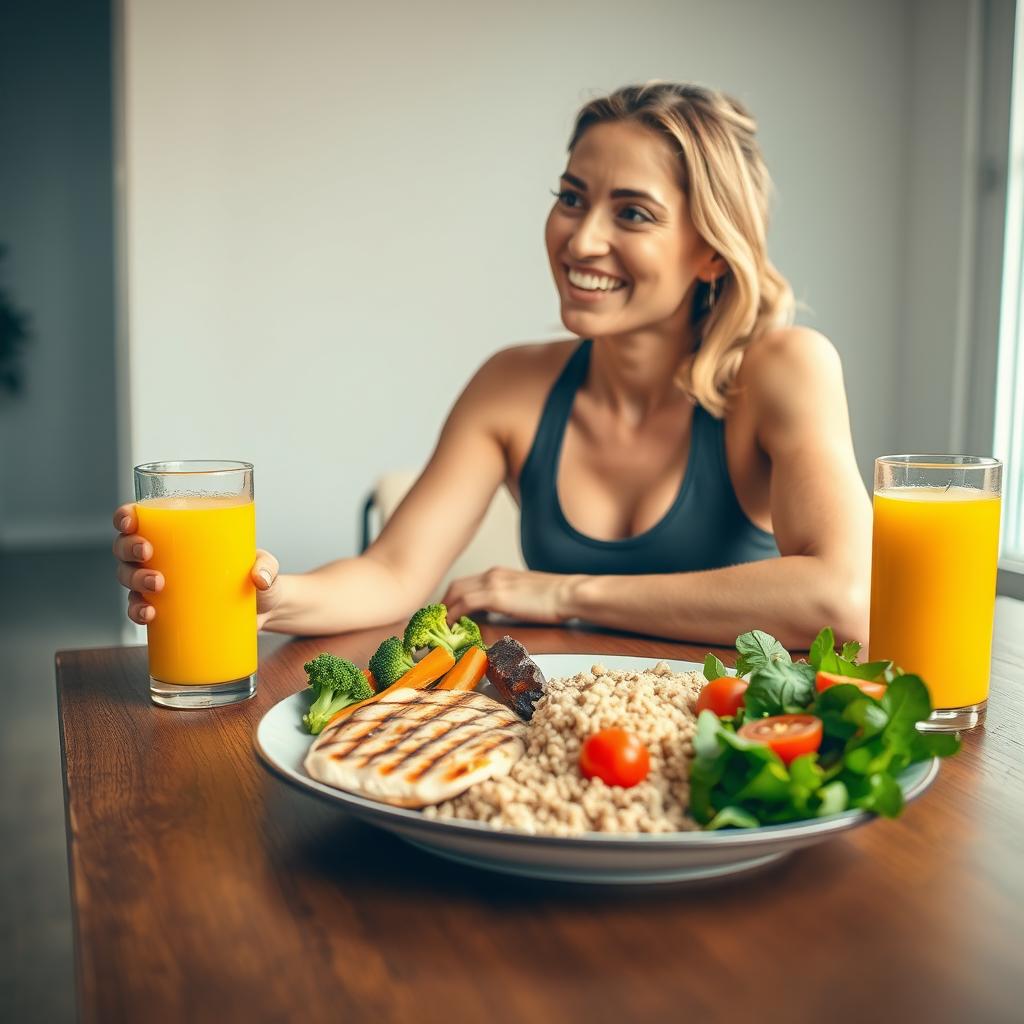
[(200, 518), (935, 551)]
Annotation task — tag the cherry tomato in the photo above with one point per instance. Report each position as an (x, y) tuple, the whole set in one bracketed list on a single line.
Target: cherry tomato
[(616, 757), (723, 695), (871, 687), (788, 735)]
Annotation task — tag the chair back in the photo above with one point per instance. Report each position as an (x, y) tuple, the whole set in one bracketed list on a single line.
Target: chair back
[(496, 542)]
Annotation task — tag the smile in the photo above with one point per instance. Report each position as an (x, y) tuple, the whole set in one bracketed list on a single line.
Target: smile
[(591, 282)]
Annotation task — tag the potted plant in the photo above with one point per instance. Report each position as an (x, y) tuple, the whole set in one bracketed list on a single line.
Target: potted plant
[(14, 334)]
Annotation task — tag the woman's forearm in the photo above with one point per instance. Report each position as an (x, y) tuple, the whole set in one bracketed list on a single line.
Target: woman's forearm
[(349, 594), (791, 597)]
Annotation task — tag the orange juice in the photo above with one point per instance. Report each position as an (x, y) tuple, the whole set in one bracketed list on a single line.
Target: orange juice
[(205, 626), (933, 586)]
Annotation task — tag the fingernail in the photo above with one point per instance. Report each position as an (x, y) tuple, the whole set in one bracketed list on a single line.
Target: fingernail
[(139, 550), (125, 524), (265, 573), (149, 583)]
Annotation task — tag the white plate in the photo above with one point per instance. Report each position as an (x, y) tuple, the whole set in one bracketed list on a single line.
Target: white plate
[(282, 743)]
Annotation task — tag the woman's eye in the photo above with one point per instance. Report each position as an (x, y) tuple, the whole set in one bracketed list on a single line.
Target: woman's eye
[(636, 215), (570, 200)]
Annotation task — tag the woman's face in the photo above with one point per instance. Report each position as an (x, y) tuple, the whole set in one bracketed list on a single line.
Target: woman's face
[(622, 248)]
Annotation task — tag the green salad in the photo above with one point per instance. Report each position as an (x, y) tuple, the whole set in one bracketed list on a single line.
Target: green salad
[(783, 740)]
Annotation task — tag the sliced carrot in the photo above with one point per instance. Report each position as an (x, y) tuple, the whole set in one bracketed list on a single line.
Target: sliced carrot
[(345, 712), (371, 679), (471, 668), (422, 674), (427, 669)]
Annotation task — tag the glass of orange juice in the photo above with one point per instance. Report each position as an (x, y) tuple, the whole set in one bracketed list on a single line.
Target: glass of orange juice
[(200, 518), (935, 552)]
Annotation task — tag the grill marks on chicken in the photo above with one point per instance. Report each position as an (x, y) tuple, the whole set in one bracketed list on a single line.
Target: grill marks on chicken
[(417, 747), (395, 733)]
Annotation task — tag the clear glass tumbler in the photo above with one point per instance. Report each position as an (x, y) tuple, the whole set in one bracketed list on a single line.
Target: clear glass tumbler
[(935, 552), (200, 518)]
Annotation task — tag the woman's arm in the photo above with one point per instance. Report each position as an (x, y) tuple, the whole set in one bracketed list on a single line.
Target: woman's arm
[(820, 513), (434, 522)]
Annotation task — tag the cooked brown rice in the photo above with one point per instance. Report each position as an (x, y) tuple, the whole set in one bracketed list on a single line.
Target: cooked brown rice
[(545, 792)]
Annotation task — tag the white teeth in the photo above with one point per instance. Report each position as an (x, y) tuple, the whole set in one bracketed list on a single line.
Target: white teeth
[(593, 282)]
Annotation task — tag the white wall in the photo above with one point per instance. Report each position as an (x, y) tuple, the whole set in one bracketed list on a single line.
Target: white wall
[(57, 439), (334, 213)]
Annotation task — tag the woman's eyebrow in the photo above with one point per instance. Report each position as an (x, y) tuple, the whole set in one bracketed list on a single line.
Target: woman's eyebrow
[(617, 193), (634, 193)]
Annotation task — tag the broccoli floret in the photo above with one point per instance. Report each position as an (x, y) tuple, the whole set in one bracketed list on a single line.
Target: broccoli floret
[(390, 662), (466, 650), (429, 628), (466, 634), (335, 683)]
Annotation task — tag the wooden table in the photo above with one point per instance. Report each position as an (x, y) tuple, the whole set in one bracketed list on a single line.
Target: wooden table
[(204, 888)]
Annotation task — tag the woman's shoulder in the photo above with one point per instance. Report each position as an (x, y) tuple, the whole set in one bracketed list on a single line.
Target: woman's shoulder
[(531, 358), (789, 347), (512, 383), (787, 360), (519, 370)]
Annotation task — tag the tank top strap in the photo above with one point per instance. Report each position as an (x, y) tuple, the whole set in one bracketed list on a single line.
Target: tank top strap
[(707, 449), (547, 442)]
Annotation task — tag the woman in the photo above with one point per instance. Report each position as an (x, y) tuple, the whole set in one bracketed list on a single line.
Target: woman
[(663, 464)]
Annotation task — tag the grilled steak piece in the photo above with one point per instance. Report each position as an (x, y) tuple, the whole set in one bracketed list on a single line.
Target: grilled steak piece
[(417, 747), (514, 674)]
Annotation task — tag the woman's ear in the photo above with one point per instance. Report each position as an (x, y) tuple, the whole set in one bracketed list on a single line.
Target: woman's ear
[(712, 267)]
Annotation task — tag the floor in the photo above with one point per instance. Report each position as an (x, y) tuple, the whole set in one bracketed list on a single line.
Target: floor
[(48, 602)]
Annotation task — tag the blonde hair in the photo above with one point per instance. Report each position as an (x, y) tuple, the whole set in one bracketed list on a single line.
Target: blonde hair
[(729, 191)]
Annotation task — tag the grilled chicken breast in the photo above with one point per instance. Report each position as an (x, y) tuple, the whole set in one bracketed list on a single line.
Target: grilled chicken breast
[(412, 748)]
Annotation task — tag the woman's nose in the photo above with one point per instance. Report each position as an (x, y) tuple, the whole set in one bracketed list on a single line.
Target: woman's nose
[(590, 238)]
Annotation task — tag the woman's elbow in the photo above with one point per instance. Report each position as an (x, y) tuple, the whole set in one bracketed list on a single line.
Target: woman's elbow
[(845, 606)]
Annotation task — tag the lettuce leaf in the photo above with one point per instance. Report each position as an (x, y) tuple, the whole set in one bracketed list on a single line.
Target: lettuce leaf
[(824, 657), (866, 743), (756, 650), (713, 668), (779, 688), (735, 782)]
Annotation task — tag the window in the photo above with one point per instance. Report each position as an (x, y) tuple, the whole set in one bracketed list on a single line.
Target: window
[(1009, 425)]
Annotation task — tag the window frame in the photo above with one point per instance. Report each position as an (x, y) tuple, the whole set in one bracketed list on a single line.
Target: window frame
[(995, 344)]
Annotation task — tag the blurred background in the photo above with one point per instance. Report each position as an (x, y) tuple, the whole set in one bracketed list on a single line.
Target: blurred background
[(289, 232)]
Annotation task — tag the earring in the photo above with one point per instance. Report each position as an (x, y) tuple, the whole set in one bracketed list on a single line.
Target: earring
[(712, 290)]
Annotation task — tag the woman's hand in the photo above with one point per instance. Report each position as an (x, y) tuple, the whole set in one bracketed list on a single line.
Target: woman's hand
[(133, 552), (264, 574), (520, 594)]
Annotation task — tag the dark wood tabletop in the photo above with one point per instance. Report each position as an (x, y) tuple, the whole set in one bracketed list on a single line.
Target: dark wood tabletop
[(205, 888)]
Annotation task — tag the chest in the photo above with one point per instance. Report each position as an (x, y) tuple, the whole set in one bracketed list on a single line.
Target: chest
[(614, 480), (617, 480)]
